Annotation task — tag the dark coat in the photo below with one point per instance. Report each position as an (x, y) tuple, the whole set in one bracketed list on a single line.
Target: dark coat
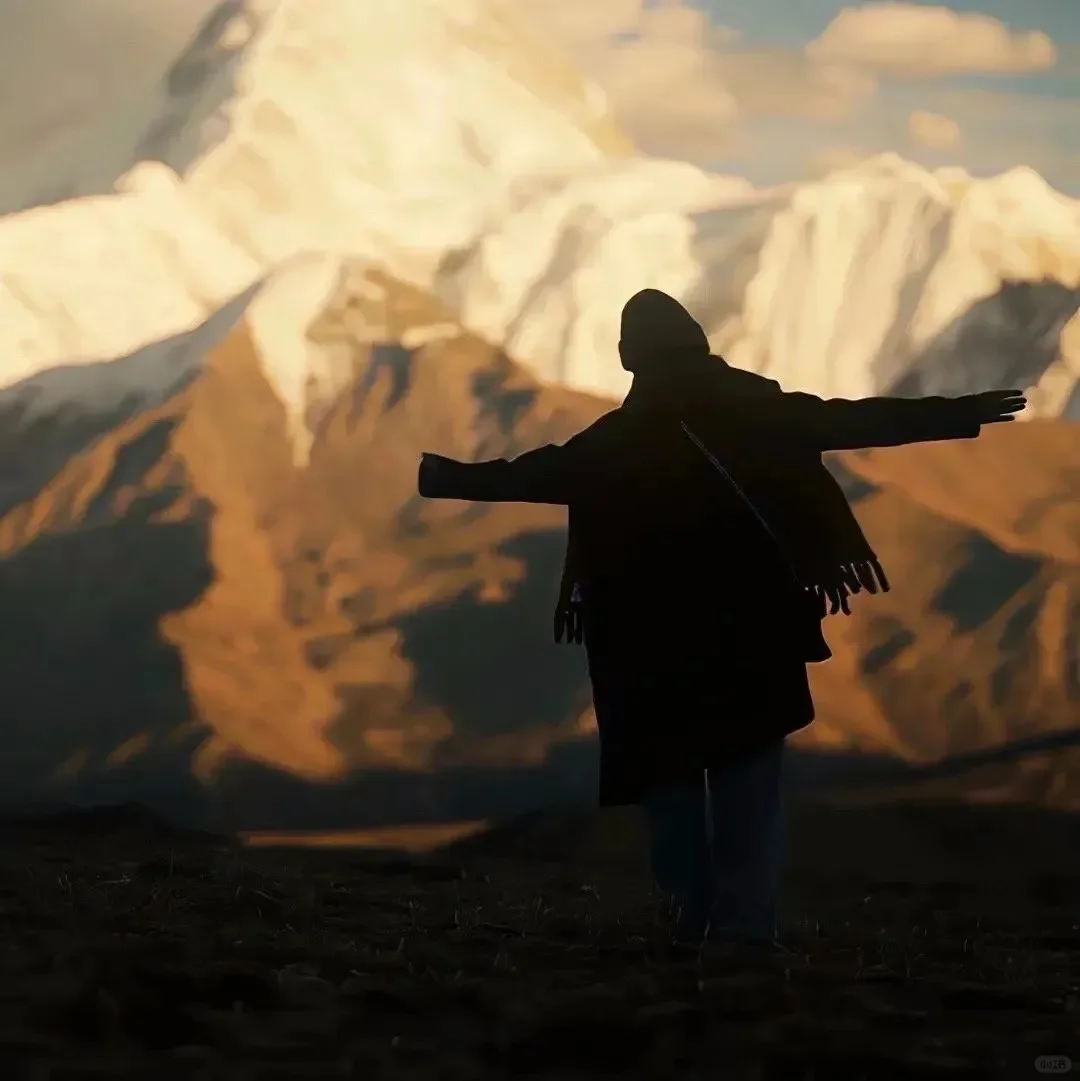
[(693, 630)]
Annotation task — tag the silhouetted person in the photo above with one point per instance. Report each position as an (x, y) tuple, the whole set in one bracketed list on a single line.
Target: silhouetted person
[(705, 539)]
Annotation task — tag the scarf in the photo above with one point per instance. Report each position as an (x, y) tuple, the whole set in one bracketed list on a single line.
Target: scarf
[(812, 522)]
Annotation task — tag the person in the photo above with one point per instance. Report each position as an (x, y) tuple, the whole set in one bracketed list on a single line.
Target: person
[(704, 549)]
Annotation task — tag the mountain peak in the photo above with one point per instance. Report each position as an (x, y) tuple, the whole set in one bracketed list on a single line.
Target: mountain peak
[(385, 131), (280, 111)]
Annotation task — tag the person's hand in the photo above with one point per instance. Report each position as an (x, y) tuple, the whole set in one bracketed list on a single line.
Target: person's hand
[(569, 625), (833, 598), (427, 473), (570, 620), (994, 406)]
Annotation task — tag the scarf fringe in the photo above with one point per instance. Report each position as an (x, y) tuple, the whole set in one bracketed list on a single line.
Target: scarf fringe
[(848, 579), (856, 576), (832, 591)]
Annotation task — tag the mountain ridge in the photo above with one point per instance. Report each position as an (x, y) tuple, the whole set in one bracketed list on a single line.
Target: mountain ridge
[(220, 589), (273, 621)]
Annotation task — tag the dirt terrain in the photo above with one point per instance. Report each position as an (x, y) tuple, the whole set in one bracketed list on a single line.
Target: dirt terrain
[(921, 942)]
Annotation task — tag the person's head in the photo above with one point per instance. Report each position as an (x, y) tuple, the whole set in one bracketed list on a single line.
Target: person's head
[(657, 333)]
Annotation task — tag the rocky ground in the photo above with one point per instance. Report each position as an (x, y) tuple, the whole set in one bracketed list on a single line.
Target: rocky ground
[(923, 942)]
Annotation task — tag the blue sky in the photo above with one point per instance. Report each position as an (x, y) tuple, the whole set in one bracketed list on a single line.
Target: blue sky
[(780, 89), (1034, 120), (796, 21)]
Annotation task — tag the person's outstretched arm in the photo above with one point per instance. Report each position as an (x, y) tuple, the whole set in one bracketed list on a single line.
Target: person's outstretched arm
[(538, 476), (842, 424), (549, 474)]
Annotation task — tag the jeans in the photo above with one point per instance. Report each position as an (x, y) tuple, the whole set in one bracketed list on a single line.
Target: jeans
[(717, 845)]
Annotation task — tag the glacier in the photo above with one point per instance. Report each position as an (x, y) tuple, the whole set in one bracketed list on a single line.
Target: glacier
[(442, 142)]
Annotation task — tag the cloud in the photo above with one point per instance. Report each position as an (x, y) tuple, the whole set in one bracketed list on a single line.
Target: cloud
[(1005, 128), (680, 85), (910, 39), (786, 83), (65, 63), (834, 159), (658, 67), (933, 130)]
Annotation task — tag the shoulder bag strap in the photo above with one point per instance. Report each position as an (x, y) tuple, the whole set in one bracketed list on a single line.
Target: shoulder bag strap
[(734, 485)]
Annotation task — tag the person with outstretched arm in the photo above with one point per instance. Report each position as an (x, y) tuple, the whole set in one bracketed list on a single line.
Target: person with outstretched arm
[(564, 473), (707, 541)]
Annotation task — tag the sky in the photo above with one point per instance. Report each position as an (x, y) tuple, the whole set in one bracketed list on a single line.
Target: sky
[(774, 90), (66, 62), (780, 90)]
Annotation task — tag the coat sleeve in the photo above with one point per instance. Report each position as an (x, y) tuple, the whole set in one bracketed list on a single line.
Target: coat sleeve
[(843, 424), (549, 474)]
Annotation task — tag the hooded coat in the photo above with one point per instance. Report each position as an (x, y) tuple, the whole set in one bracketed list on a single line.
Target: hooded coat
[(695, 631)]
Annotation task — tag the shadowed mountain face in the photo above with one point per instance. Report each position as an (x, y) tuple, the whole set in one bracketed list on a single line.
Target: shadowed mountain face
[(195, 621), (1008, 339)]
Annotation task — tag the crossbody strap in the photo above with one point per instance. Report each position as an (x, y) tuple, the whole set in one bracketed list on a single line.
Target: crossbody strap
[(718, 466)]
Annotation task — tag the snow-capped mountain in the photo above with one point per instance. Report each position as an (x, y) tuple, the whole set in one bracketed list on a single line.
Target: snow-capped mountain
[(883, 277), (290, 135), (195, 622), (293, 267), (438, 139)]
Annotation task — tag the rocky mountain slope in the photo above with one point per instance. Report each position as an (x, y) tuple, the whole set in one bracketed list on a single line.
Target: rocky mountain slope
[(195, 616), (177, 565)]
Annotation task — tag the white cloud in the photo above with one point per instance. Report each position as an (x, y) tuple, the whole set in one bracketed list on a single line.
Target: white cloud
[(786, 83), (933, 130), (659, 68), (834, 159), (905, 38), (679, 84)]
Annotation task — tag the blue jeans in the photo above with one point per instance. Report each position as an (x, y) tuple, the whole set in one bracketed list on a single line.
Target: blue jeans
[(717, 845)]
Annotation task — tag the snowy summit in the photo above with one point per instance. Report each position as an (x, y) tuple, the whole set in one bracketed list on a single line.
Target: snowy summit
[(439, 140)]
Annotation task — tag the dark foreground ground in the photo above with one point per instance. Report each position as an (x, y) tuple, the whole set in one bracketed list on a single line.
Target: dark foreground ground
[(924, 942)]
